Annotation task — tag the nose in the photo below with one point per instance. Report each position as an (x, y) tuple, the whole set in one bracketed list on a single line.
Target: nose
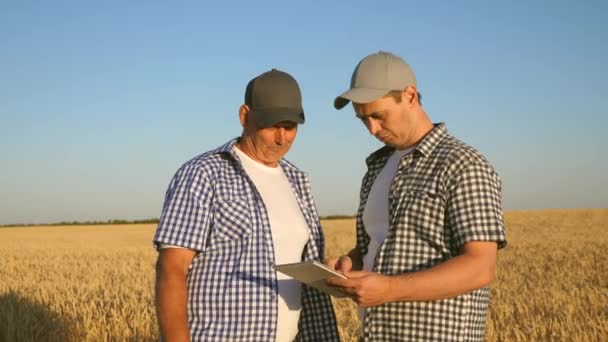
[(372, 126), (280, 136)]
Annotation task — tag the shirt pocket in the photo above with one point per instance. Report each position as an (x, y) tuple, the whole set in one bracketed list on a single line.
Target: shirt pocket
[(232, 221), (420, 200), (423, 212)]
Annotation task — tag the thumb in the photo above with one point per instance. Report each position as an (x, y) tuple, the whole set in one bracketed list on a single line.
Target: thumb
[(345, 263)]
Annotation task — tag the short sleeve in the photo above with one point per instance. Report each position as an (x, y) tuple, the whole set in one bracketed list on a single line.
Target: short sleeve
[(186, 213), (474, 208)]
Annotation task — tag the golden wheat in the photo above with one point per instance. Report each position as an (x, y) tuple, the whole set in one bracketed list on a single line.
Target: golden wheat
[(95, 283)]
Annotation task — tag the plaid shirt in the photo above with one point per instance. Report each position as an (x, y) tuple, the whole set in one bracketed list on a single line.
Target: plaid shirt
[(212, 207), (444, 194)]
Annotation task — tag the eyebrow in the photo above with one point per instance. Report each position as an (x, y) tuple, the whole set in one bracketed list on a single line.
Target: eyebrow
[(363, 116)]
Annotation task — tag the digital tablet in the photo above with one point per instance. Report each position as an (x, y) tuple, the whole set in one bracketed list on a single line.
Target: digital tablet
[(313, 274)]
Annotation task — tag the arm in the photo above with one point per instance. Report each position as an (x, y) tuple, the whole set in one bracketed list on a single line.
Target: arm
[(171, 293), (471, 270)]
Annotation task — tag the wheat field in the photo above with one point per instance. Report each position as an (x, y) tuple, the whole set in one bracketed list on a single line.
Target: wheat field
[(95, 283)]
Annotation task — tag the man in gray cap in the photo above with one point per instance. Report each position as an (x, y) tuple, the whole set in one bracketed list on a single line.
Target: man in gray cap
[(229, 216), (429, 222)]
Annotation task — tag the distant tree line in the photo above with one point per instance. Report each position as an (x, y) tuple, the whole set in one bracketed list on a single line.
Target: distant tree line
[(114, 221), (337, 217), (83, 223)]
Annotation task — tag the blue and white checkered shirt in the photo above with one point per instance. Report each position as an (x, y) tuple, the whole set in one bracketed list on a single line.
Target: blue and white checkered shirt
[(212, 206)]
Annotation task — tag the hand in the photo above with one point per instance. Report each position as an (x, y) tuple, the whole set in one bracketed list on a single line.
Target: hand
[(365, 288), (341, 264)]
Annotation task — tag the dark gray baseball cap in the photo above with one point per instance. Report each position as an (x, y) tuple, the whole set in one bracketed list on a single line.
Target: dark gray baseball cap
[(274, 96), (375, 76)]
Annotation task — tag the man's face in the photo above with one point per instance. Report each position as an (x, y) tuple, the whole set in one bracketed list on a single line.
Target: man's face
[(269, 145), (387, 120)]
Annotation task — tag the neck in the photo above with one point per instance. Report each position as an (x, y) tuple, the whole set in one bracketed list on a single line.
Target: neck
[(422, 128), (426, 125), (248, 148)]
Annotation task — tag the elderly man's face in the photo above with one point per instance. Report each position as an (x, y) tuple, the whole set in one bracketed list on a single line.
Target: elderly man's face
[(268, 145)]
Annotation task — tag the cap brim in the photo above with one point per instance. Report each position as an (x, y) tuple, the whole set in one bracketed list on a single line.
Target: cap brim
[(359, 95), (266, 117)]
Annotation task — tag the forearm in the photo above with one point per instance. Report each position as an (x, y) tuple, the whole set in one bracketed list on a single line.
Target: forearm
[(171, 306), (451, 278)]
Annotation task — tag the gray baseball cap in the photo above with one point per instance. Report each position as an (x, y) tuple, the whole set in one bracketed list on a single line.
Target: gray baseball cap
[(375, 76), (274, 96)]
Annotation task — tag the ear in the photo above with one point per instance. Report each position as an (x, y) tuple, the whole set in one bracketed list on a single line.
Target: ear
[(411, 95), (244, 114)]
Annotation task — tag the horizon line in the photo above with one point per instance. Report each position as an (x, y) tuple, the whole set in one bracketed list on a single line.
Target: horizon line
[(156, 220)]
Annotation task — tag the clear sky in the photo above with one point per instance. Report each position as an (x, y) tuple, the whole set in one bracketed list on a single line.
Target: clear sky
[(100, 102)]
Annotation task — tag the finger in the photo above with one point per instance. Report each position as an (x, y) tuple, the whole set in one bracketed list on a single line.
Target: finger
[(335, 281), (352, 292), (346, 264), (332, 263), (356, 274)]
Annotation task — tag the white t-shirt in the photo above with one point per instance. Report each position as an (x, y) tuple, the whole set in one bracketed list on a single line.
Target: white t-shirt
[(289, 236), (375, 213)]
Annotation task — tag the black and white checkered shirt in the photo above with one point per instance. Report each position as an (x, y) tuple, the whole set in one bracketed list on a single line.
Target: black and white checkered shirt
[(444, 194), (213, 207)]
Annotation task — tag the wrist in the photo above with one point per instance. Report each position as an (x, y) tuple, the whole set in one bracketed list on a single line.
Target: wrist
[(396, 291)]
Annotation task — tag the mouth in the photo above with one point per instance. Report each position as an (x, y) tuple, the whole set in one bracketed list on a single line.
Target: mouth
[(278, 150), (383, 138)]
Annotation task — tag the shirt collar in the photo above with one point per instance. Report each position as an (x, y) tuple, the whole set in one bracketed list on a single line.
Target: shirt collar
[(430, 141), (228, 148), (424, 147)]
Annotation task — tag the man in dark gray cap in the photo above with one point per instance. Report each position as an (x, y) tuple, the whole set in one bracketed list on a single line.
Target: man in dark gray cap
[(429, 222), (229, 216)]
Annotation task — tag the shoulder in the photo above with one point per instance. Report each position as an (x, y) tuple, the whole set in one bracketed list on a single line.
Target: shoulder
[(440, 147), (458, 151), (462, 160), (207, 165)]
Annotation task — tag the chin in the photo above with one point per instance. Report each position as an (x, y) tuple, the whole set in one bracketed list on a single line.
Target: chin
[(273, 159)]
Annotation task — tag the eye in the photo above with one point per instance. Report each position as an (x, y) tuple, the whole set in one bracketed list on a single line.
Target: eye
[(286, 125)]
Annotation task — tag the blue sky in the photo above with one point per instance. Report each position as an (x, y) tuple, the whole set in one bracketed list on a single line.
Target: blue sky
[(100, 102)]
